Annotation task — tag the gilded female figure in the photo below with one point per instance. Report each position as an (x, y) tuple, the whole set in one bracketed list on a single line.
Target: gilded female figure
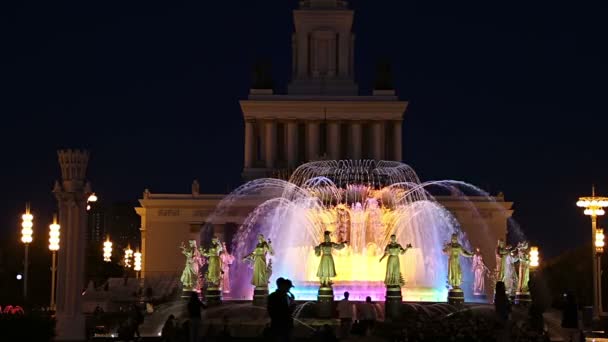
[(393, 267), (260, 267), (214, 269), (454, 250), (327, 268)]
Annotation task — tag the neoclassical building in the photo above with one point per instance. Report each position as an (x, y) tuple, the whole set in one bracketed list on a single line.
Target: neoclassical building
[(322, 116)]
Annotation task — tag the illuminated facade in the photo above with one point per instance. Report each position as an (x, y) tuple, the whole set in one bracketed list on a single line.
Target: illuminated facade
[(322, 116)]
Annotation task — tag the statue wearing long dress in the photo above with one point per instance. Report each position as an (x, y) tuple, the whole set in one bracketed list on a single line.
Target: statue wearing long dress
[(454, 250), (393, 267), (502, 262), (227, 259), (214, 267), (260, 267), (480, 270), (190, 275), (327, 268), (523, 257)]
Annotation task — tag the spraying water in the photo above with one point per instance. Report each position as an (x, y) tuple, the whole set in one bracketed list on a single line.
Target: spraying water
[(361, 202)]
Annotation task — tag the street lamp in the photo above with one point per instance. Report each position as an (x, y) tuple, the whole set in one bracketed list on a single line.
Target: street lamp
[(599, 242), (26, 238), (137, 262), (53, 247), (107, 250), (128, 256), (594, 207), (92, 198), (534, 259)]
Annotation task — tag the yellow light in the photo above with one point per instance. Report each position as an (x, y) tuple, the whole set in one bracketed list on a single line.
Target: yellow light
[(26, 226), (588, 212), (107, 250), (599, 212), (534, 258), (137, 261), (92, 198), (54, 235), (128, 256), (599, 240)]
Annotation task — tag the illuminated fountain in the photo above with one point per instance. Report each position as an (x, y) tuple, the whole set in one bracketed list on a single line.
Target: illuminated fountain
[(362, 202)]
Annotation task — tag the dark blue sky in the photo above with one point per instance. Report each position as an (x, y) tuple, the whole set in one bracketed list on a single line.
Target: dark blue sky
[(504, 95)]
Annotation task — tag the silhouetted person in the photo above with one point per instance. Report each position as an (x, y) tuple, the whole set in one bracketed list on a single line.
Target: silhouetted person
[(367, 315), (280, 310), (535, 312), (169, 332), (570, 317), (345, 313), (502, 305), (194, 313), (136, 318)]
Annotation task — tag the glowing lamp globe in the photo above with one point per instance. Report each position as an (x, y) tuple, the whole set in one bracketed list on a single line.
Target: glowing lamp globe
[(137, 261), (26, 227), (54, 235), (599, 240), (107, 250), (534, 258), (128, 256)]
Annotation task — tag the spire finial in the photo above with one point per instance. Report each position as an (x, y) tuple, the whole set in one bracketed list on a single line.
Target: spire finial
[(593, 190)]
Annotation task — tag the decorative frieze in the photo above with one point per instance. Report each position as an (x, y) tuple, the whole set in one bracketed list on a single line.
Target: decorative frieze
[(168, 212)]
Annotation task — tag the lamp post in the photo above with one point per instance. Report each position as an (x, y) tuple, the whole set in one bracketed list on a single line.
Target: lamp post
[(91, 199), (137, 262), (26, 238), (599, 249), (53, 247), (534, 258), (107, 250), (594, 207), (128, 256)]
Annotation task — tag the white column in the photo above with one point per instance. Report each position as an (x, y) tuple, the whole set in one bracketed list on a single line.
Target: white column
[(312, 150), (71, 196), (249, 144), (377, 140), (270, 143), (333, 140), (397, 143), (355, 140), (292, 144)]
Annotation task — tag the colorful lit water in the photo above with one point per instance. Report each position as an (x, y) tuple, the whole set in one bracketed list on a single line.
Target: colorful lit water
[(359, 202)]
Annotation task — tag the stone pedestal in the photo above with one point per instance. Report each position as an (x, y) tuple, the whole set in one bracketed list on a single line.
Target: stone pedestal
[(480, 297), (523, 298), (213, 296), (394, 302), (325, 302), (455, 296), (260, 296)]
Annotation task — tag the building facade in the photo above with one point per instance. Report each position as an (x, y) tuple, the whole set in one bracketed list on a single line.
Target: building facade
[(322, 116)]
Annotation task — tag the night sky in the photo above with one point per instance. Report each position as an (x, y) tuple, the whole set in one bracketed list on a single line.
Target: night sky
[(507, 96)]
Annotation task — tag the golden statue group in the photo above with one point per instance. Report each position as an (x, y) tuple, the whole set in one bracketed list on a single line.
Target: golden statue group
[(218, 261), (515, 279)]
